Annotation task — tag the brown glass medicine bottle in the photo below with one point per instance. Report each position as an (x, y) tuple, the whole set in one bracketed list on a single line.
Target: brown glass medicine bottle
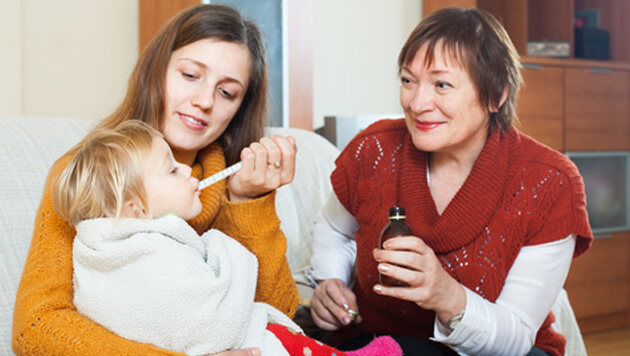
[(397, 226)]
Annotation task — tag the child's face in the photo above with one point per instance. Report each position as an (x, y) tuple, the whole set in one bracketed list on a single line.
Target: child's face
[(168, 184)]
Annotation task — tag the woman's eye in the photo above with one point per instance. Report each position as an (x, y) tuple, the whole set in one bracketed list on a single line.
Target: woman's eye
[(443, 85), (225, 93), (189, 76), (405, 80)]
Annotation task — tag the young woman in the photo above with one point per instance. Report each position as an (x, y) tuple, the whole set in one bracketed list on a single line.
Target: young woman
[(201, 82)]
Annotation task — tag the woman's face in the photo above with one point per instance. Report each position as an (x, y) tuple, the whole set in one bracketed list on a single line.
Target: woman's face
[(205, 85), (442, 109), (169, 187)]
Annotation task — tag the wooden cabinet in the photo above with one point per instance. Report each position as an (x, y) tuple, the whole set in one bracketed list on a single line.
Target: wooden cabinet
[(540, 105), (574, 104), (576, 108), (597, 109), (598, 286)]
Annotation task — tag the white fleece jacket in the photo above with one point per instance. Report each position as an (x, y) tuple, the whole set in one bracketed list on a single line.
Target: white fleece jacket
[(159, 282)]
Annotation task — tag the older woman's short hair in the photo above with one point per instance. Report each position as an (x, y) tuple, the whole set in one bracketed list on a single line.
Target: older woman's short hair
[(479, 43)]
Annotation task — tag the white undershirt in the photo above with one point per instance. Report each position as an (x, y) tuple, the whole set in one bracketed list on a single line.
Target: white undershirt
[(506, 327)]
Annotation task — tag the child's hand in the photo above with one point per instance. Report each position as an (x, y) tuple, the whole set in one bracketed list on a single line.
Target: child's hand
[(267, 165)]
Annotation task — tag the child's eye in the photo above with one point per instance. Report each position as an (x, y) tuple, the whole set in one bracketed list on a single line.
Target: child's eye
[(174, 170)]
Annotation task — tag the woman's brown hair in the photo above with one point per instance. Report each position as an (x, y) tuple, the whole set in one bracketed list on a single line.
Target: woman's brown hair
[(480, 44), (145, 99)]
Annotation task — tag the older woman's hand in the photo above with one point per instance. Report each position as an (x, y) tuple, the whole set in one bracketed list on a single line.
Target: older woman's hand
[(267, 165), (410, 260), (330, 304)]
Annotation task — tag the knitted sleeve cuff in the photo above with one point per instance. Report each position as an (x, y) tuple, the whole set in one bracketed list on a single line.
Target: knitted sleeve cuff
[(248, 219)]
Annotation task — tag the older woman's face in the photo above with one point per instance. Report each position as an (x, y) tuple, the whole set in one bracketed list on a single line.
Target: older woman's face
[(205, 85), (441, 105)]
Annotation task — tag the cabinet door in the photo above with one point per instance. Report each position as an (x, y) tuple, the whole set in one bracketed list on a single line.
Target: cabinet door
[(540, 105), (598, 284), (597, 109)]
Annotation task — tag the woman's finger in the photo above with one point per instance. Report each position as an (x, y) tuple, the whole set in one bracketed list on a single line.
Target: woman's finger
[(267, 165), (260, 162), (274, 153), (321, 313), (408, 243), (288, 151), (331, 303)]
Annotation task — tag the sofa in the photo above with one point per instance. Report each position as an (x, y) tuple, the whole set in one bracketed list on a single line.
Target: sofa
[(30, 145)]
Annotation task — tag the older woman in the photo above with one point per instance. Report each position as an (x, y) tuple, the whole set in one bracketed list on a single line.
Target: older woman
[(496, 216), (202, 82)]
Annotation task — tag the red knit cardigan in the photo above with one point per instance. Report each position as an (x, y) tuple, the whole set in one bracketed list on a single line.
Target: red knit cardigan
[(519, 193)]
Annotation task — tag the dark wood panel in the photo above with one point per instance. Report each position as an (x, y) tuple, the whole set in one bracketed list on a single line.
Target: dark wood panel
[(602, 323), (597, 110), (598, 286), (430, 6), (154, 13), (514, 17), (541, 105), (550, 20)]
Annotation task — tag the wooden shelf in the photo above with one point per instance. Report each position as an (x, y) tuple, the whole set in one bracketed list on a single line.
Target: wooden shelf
[(575, 62)]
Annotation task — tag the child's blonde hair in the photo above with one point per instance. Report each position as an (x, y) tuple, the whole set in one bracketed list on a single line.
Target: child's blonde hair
[(104, 173)]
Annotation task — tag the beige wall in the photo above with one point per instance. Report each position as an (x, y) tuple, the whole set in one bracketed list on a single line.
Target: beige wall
[(10, 58), (66, 57), (355, 49)]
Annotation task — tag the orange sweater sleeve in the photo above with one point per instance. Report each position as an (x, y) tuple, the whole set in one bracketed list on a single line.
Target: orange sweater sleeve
[(255, 224), (45, 320)]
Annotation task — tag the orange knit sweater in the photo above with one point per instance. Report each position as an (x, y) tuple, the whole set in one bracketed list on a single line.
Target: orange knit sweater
[(45, 320)]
